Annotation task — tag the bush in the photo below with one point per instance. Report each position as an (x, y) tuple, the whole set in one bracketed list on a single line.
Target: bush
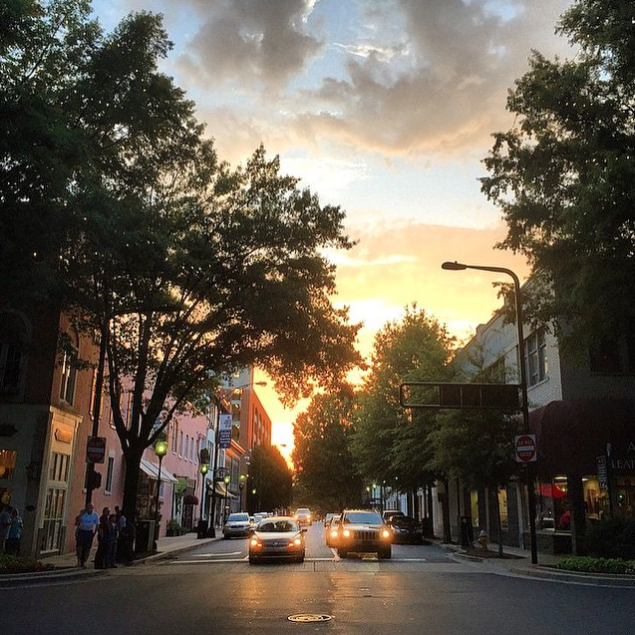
[(597, 565), (612, 538), (174, 528), (22, 564)]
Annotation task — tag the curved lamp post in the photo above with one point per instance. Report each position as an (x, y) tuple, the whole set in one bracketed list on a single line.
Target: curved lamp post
[(518, 306), (241, 485), (227, 481), (160, 449)]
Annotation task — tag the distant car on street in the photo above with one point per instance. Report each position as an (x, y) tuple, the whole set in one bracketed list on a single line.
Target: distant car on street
[(237, 524), (387, 514), (331, 530), (406, 530), (303, 516)]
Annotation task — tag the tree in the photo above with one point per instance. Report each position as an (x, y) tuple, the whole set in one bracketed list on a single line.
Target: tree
[(186, 268), (390, 444), (564, 174), (270, 481), (326, 477)]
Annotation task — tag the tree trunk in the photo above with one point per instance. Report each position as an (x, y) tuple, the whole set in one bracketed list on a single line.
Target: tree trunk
[(132, 457), (445, 507), (499, 527)]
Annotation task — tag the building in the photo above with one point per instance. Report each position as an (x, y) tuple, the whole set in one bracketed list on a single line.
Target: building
[(582, 411)]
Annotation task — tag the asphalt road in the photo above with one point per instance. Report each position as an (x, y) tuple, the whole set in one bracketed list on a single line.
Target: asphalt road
[(213, 589)]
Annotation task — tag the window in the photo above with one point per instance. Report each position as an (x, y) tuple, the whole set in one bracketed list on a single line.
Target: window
[(12, 337), (7, 464), (536, 355), (180, 443), (109, 474), (69, 375)]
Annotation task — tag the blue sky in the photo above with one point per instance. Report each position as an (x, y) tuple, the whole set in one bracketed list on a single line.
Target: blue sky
[(385, 107)]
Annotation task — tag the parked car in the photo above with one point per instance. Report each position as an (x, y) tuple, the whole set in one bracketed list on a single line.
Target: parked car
[(406, 530), (331, 530), (277, 537), (387, 514), (362, 531), (237, 524), (303, 516)]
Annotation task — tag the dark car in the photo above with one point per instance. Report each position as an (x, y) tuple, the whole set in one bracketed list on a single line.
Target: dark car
[(362, 531), (406, 530), (277, 537), (387, 514)]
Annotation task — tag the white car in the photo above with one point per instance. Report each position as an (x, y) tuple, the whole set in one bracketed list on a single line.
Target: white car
[(237, 524)]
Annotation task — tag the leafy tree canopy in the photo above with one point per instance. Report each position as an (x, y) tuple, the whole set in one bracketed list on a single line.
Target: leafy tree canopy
[(270, 481), (326, 476), (390, 443), (564, 175)]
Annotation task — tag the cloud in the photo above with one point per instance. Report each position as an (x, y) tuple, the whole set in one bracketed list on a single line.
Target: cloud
[(245, 41)]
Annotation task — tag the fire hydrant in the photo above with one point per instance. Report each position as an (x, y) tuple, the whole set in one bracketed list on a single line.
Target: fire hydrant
[(482, 539)]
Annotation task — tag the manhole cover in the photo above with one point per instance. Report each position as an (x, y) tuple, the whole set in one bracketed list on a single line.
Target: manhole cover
[(310, 617)]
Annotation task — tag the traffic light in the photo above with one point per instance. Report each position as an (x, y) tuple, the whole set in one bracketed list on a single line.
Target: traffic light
[(96, 480)]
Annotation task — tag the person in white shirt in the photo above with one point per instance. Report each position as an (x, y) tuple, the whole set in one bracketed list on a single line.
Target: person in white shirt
[(87, 524)]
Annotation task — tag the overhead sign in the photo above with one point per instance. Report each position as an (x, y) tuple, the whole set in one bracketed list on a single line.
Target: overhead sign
[(466, 396), (96, 449), (224, 431), (525, 445)]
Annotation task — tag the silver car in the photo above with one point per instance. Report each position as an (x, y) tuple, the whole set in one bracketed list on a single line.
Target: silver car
[(237, 524)]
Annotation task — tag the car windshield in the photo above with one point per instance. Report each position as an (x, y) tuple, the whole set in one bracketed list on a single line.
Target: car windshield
[(277, 526), (402, 520), (238, 517), (362, 518)]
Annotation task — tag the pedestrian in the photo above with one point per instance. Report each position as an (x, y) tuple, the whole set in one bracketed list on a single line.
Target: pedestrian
[(15, 534), (102, 539), (124, 547), (6, 520), (111, 542), (87, 524)]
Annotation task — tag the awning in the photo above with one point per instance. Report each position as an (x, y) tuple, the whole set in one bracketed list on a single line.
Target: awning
[(221, 490), (152, 471), (190, 499)]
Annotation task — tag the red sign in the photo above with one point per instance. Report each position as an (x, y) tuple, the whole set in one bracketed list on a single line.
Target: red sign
[(525, 448), (96, 449)]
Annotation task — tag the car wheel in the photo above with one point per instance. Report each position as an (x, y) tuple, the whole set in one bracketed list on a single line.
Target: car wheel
[(252, 560), (342, 553), (225, 537), (386, 554)]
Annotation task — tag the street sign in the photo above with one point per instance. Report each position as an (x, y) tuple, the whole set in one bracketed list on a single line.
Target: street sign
[(603, 472), (525, 445), (224, 431), (96, 449)]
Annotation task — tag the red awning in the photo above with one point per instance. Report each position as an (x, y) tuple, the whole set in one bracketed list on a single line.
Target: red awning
[(190, 499)]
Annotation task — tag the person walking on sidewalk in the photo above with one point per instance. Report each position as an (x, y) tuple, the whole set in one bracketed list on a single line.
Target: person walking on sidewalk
[(103, 530), (6, 520), (86, 529), (15, 534), (111, 544)]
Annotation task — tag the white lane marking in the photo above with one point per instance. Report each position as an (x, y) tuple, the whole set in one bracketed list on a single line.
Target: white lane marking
[(216, 555)]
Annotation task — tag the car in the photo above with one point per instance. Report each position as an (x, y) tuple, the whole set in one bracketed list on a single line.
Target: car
[(277, 537), (331, 530), (327, 518), (406, 530), (363, 531), (387, 514), (303, 516), (237, 524)]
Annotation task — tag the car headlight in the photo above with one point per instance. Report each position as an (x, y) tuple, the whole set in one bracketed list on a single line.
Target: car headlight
[(297, 541), (346, 533), (333, 533), (254, 542), (385, 533)]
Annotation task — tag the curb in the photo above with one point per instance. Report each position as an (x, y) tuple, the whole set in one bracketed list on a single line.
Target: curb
[(73, 573)]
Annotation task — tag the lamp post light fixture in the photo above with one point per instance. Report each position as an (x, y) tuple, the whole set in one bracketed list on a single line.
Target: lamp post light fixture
[(241, 485), (518, 306), (202, 523), (160, 449), (227, 481)]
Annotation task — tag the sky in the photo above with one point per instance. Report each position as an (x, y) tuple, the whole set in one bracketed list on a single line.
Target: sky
[(383, 107)]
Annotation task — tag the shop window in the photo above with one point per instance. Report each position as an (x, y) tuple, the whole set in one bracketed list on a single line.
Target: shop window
[(502, 507), (59, 467), (536, 357), (7, 464)]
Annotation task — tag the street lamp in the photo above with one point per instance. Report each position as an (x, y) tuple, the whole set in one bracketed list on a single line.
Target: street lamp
[(160, 449), (227, 481), (212, 529), (241, 485), (518, 306), (202, 524)]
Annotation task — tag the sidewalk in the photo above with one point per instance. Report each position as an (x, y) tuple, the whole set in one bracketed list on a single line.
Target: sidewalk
[(66, 564), (520, 564)]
